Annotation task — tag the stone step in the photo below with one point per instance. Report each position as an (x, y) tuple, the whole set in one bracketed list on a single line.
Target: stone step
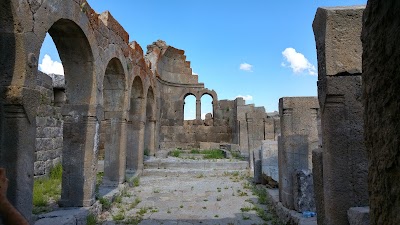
[(190, 172), (197, 164)]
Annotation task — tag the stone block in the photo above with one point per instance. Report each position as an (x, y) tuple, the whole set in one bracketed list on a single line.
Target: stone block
[(303, 191), (337, 35), (358, 215), (257, 167), (269, 159), (299, 136)]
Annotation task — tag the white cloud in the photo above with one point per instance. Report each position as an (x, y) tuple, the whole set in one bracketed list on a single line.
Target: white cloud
[(193, 73), (49, 66), (246, 67), (298, 62), (245, 97)]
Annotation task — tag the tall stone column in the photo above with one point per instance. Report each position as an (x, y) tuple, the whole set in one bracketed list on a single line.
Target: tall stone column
[(135, 148), (337, 35), (81, 137), (198, 109), (381, 98), (152, 127), (114, 166), (299, 136)]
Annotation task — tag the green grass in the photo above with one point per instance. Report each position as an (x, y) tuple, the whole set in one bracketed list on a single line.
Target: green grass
[(105, 203), (136, 181), (91, 219), (195, 151), (213, 154), (175, 153), (47, 189), (119, 216)]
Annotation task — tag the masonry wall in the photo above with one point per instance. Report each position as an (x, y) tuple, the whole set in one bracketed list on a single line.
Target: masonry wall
[(49, 127)]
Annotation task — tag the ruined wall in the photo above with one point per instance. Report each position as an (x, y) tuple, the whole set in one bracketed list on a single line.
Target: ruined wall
[(381, 99), (49, 125)]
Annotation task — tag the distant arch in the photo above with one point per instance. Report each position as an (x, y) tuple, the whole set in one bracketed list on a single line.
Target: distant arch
[(189, 106), (149, 138)]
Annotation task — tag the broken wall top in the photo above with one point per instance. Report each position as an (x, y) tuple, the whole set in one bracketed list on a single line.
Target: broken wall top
[(170, 64), (337, 33)]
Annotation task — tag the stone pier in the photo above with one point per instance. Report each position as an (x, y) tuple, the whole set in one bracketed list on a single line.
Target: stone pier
[(337, 35), (299, 136)]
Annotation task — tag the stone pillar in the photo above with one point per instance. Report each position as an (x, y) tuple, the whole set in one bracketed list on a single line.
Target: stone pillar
[(135, 148), (17, 148), (318, 180), (114, 165), (198, 109), (80, 149), (381, 98), (152, 127), (337, 35), (299, 136)]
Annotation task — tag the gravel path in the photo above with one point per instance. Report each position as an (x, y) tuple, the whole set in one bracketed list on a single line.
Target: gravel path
[(188, 199)]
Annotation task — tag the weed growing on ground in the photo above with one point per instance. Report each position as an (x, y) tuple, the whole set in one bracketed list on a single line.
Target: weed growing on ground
[(195, 151), (168, 211), (106, 204), (216, 216), (200, 176), (135, 203), (136, 181), (175, 153), (119, 216), (91, 219), (181, 206), (213, 154), (245, 217), (47, 189), (247, 208), (134, 220), (219, 198), (142, 211), (156, 191)]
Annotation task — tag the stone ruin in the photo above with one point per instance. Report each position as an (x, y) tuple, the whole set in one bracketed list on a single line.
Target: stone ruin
[(115, 102)]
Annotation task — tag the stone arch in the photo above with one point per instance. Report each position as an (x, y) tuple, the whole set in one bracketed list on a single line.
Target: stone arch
[(202, 99), (214, 97), (81, 125), (149, 138), (113, 123), (136, 124), (184, 103)]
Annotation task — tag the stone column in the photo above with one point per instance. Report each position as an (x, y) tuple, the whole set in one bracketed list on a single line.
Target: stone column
[(135, 148), (198, 109), (80, 149), (114, 166), (152, 127), (299, 136), (17, 148), (381, 93), (337, 34)]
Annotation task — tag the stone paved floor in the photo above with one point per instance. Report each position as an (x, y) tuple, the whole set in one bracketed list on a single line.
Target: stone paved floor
[(187, 199)]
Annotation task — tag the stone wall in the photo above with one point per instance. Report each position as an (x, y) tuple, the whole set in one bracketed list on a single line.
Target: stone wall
[(49, 125), (381, 94)]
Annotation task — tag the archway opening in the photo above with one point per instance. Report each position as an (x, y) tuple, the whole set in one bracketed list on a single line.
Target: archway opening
[(189, 107), (206, 105), (77, 143), (135, 148), (49, 127), (110, 148)]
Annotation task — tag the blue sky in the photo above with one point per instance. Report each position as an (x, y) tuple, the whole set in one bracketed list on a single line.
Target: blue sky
[(260, 49)]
